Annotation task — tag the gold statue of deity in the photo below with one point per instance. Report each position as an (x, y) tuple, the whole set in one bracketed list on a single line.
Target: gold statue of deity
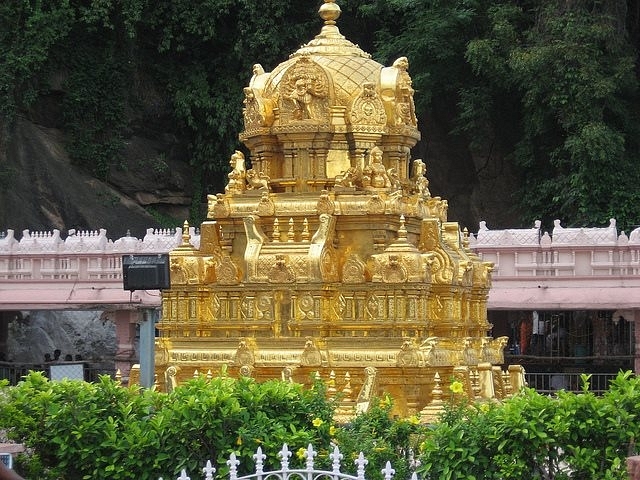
[(329, 257)]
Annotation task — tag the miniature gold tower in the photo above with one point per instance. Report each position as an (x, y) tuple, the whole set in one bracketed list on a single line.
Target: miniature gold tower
[(329, 256)]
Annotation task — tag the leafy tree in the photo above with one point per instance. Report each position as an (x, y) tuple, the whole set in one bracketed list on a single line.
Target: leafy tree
[(552, 84)]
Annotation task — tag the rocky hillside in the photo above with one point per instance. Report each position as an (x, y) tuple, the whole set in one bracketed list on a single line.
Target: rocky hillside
[(45, 191)]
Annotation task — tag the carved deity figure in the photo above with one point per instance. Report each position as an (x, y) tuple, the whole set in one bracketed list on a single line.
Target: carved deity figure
[(305, 91), (405, 108), (305, 95), (237, 175), (253, 117), (375, 174), (419, 179)]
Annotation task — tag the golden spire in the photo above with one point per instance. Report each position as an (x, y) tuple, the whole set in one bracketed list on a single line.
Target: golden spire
[(329, 12)]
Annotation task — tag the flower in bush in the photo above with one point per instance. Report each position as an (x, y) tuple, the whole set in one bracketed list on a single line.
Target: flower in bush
[(300, 453), (456, 387), (317, 422), (332, 430)]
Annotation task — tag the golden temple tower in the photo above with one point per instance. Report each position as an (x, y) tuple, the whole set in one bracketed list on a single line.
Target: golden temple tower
[(329, 256)]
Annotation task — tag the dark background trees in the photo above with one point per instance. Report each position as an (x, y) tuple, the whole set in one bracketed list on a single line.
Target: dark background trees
[(528, 109)]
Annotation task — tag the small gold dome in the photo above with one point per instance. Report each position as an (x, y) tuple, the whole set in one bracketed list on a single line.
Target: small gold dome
[(333, 96)]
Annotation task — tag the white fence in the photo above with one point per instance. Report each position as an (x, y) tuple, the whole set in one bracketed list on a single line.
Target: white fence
[(285, 473)]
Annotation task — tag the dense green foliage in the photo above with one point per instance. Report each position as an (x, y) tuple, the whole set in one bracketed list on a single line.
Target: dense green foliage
[(533, 436), (104, 431), (550, 86), (76, 430)]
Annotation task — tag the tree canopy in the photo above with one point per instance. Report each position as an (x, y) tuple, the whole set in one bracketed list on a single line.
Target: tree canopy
[(551, 86)]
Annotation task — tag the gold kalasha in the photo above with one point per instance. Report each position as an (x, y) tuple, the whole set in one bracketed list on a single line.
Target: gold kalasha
[(329, 257)]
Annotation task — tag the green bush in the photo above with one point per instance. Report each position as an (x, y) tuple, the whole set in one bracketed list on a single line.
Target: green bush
[(533, 436), (76, 430)]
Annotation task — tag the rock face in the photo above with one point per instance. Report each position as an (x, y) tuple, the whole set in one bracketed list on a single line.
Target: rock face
[(85, 333), (43, 190)]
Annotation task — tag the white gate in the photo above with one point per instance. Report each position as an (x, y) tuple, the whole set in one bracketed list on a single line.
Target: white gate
[(286, 473)]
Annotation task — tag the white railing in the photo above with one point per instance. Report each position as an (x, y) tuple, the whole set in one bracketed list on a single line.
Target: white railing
[(286, 473), (567, 252), (81, 256)]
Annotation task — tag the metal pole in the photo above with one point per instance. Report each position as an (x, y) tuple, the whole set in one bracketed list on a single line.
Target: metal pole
[(147, 344)]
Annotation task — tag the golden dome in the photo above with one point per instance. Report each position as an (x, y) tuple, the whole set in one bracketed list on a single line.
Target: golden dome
[(337, 102)]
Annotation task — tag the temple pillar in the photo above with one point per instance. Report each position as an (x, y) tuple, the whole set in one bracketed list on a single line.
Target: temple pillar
[(125, 322)]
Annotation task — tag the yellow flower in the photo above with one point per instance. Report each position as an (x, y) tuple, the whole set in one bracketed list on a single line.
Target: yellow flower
[(386, 401), (414, 419), (332, 430), (484, 407), (317, 422), (456, 387), (300, 453), (239, 440)]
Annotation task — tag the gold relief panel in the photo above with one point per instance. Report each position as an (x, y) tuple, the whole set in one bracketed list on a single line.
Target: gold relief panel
[(304, 93), (338, 306), (359, 358), (328, 266), (353, 270), (244, 354), (247, 308), (372, 307), (375, 205), (311, 355), (264, 306), (367, 108), (408, 356), (281, 272), (436, 308), (266, 207), (393, 271), (227, 272), (429, 235), (307, 307), (185, 269), (218, 206)]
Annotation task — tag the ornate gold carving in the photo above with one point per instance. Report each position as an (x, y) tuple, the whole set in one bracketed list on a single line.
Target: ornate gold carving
[(281, 272), (185, 270), (304, 92), (266, 207), (418, 176), (311, 356), (393, 271), (218, 206), (375, 174), (408, 354), (237, 175), (243, 355), (254, 116), (227, 271), (367, 108), (375, 205), (264, 304), (353, 270), (257, 180), (325, 205)]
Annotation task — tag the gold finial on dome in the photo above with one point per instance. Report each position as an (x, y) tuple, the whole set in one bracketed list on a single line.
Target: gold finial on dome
[(329, 12)]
